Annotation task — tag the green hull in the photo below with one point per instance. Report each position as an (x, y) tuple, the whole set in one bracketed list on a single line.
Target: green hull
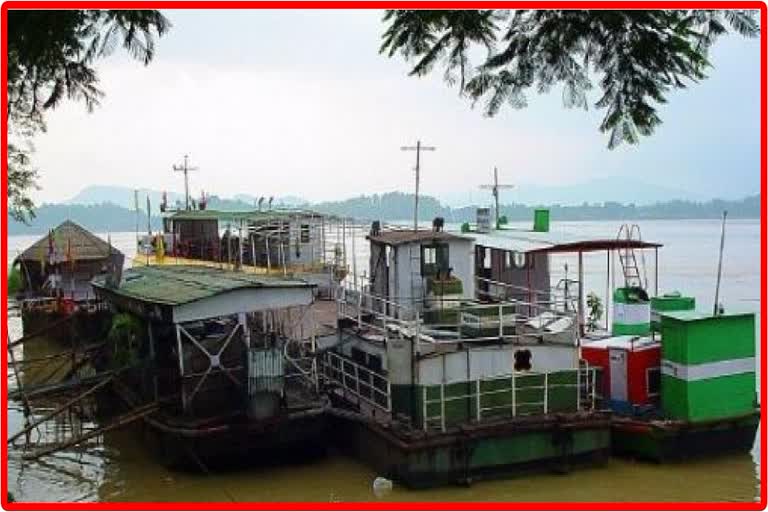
[(476, 452), (665, 441)]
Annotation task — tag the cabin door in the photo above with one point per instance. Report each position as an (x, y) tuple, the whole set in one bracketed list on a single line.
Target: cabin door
[(617, 360), (483, 270)]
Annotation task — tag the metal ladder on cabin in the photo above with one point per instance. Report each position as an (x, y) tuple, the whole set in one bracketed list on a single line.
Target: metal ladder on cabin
[(417, 280), (628, 260)]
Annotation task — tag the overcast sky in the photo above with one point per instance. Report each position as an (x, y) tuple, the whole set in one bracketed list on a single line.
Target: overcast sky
[(301, 103)]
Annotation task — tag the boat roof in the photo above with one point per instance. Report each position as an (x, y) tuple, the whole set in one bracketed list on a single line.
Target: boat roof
[(238, 215), (396, 237), (69, 236), (555, 242), (174, 285), (694, 315), (628, 342)]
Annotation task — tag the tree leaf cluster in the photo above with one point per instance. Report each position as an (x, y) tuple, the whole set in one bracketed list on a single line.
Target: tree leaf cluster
[(635, 57)]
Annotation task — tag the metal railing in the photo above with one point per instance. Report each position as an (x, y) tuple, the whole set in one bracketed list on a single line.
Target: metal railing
[(512, 320), (358, 380), (506, 399), (557, 299)]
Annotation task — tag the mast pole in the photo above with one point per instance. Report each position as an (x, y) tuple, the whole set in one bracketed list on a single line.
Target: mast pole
[(416, 198), (418, 148), (719, 265), (185, 168)]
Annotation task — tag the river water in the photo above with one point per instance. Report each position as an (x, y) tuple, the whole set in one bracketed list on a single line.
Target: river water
[(118, 467)]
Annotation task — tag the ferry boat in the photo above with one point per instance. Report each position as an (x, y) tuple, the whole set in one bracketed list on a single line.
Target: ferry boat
[(225, 358), (284, 242), (439, 375), (679, 382)]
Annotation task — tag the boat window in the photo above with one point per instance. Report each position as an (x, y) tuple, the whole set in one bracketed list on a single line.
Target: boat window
[(520, 259), (430, 255), (305, 233), (653, 381), (487, 258), (434, 259), (507, 260)]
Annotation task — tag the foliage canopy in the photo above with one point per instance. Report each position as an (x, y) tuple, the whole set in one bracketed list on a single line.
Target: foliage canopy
[(636, 56), (51, 55)]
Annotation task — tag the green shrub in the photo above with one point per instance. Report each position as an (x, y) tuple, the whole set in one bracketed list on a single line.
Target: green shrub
[(125, 339), (15, 282)]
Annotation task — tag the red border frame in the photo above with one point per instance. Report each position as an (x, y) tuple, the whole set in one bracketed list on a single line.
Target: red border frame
[(400, 4)]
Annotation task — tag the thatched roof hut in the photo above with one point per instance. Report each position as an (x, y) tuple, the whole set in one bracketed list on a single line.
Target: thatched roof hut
[(65, 260)]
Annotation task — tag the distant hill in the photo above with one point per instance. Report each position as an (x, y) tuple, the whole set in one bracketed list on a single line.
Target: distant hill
[(124, 196), (121, 196), (397, 206), (105, 217), (620, 189)]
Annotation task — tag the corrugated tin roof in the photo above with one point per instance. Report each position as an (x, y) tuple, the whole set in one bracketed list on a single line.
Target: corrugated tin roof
[(84, 244), (553, 241), (175, 285), (398, 237)]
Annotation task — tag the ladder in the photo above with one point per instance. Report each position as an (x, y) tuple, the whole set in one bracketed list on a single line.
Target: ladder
[(417, 280), (628, 260)]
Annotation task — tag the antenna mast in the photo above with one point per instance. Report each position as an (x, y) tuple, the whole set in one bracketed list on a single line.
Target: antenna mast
[(418, 148), (185, 169), (494, 188)]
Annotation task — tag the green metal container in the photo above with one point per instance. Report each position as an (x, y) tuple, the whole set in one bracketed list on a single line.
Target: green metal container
[(708, 365), (669, 302), (631, 312), (541, 220)]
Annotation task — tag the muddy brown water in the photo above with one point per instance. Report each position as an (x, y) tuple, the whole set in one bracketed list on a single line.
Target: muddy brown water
[(118, 466)]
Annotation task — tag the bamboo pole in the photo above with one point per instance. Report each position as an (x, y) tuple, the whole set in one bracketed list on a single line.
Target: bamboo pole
[(59, 409), (130, 417)]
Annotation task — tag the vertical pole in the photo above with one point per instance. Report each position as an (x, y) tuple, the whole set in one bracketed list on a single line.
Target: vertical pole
[(253, 251), (578, 387), (581, 293), (496, 193), (344, 242), (354, 259), (269, 262), (719, 266), (656, 272), (151, 337), (359, 310), (24, 400), (546, 392), (607, 287), (243, 321), (424, 406), (229, 244), (478, 414), (442, 405), (186, 184), (501, 322), (181, 367), (416, 197), (240, 246), (514, 395), (322, 239), (149, 216)]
